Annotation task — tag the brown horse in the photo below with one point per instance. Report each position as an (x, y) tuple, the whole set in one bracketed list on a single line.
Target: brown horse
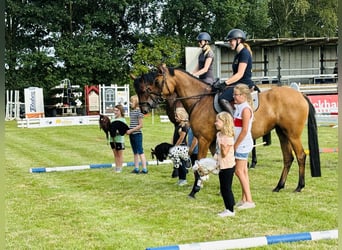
[(283, 109), (171, 103)]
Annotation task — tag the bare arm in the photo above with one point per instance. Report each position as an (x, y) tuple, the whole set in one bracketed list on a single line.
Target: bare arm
[(182, 135), (225, 149), (136, 128), (238, 75), (205, 68), (193, 145)]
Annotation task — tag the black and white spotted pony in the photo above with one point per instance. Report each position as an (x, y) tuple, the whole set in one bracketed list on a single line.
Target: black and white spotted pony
[(175, 153)]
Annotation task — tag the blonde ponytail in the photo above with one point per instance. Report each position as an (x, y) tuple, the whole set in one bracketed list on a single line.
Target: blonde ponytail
[(206, 49), (248, 47)]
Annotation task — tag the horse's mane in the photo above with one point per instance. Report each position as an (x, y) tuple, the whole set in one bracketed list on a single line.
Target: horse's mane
[(147, 78), (172, 73)]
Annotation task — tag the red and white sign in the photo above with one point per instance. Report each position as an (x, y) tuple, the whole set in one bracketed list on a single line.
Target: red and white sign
[(327, 104)]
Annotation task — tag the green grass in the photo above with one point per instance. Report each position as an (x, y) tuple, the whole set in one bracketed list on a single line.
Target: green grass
[(99, 209)]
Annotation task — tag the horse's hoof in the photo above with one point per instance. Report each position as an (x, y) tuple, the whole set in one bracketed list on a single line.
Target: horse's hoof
[(192, 195), (276, 189), (297, 190), (251, 166)]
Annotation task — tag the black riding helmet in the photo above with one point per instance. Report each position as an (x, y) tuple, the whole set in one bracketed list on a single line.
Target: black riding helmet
[(235, 34), (203, 36)]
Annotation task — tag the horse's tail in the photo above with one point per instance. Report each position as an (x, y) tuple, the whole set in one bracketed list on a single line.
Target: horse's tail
[(315, 163)]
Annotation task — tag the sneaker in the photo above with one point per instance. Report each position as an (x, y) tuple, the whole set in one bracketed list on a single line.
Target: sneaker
[(226, 213), (247, 205), (144, 171), (135, 171), (118, 170), (239, 204), (182, 183)]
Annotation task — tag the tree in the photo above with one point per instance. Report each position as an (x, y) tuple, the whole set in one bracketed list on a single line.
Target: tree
[(102, 41), (303, 18), (157, 50), (27, 44), (257, 20)]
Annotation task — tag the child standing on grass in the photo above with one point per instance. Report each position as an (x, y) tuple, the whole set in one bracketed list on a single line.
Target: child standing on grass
[(243, 118), (179, 138), (118, 142), (225, 156), (136, 136)]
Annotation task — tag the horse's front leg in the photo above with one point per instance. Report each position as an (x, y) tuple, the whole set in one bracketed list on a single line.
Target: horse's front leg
[(287, 160)]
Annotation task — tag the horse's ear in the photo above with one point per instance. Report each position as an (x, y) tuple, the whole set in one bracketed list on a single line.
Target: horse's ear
[(133, 77), (162, 68)]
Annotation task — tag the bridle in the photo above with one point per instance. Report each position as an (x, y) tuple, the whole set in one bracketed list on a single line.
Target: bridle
[(156, 98), (198, 97)]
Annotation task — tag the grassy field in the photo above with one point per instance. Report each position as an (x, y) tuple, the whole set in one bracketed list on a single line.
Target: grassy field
[(100, 209)]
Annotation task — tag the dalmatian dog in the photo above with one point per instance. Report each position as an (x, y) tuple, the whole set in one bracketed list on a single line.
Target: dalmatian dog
[(205, 166), (175, 153)]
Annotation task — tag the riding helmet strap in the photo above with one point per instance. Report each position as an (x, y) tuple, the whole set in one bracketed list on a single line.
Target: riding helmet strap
[(237, 43)]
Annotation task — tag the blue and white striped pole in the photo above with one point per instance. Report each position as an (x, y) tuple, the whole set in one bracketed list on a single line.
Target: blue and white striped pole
[(90, 166), (253, 242)]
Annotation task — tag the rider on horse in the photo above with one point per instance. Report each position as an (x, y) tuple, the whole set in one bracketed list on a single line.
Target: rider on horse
[(204, 69), (241, 66)]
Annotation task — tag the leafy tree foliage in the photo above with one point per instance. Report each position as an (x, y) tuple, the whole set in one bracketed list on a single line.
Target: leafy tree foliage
[(300, 18), (102, 41), (157, 51)]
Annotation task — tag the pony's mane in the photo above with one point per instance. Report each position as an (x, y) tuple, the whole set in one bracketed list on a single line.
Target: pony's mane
[(172, 73)]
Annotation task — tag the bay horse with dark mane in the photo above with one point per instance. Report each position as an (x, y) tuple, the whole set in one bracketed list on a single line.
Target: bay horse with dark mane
[(281, 108), (171, 103)]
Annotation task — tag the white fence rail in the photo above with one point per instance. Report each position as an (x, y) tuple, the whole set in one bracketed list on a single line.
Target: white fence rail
[(58, 121)]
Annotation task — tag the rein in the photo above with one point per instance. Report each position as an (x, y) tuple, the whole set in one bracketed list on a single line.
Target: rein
[(199, 97)]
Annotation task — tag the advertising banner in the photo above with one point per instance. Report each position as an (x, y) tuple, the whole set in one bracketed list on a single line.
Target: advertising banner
[(34, 102), (325, 104)]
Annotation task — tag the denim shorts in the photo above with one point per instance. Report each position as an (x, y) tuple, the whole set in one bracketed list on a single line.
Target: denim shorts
[(136, 141), (241, 156)]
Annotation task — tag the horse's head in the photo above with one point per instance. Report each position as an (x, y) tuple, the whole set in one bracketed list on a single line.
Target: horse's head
[(143, 85), (163, 81), (104, 123)]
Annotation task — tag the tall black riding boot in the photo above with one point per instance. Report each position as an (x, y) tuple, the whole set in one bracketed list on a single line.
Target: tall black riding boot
[(225, 105)]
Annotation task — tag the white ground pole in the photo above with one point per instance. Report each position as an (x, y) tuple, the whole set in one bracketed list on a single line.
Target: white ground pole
[(253, 242), (90, 166)]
